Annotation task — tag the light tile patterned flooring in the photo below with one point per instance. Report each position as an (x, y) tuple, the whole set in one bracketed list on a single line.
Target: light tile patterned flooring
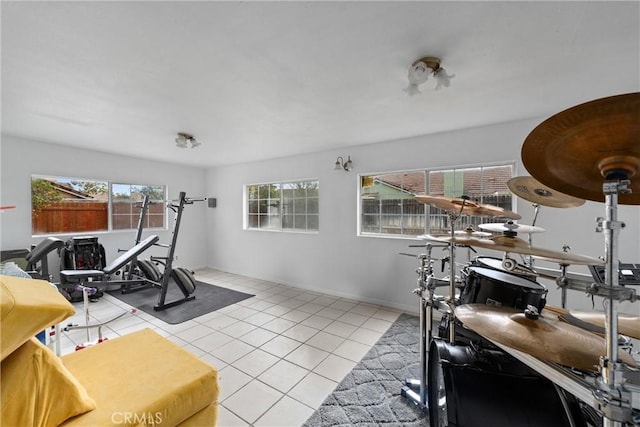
[(278, 354)]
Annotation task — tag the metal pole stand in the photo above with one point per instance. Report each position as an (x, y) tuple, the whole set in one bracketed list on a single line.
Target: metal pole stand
[(416, 389), (536, 211), (451, 300), (613, 399)]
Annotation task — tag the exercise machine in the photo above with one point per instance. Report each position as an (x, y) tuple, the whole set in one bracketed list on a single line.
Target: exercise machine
[(81, 253), (137, 274), (182, 277)]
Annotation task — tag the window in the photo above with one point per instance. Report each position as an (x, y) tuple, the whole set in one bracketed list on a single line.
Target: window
[(289, 206), (76, 205), (126, 200), (388, 206)]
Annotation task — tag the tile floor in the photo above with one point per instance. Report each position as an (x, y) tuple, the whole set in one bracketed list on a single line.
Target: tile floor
[(278, 354)]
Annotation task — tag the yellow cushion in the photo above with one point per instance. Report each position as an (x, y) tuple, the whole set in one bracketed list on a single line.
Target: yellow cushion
[(37, 390), (28, 306), (141, 379)]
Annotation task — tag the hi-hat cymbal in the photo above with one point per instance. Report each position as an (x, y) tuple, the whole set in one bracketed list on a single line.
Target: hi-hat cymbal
[(627, 325), (528, 188), (472, 233), (510, 226), (433, 238), (546, 338), (578, 149), (466, 207), (516, 245), (444, 238)]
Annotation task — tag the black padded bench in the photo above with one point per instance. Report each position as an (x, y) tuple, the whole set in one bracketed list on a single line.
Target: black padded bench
[(38, 256), (80, 276)]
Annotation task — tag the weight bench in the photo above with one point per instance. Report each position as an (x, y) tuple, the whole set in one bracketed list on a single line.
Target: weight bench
[(97, 277)]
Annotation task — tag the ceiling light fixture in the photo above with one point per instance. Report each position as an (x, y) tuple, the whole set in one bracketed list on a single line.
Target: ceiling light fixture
[(420, 71), (341, 164), (184, 140)]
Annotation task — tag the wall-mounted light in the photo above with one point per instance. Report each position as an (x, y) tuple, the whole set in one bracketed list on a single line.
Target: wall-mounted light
[(184, 140), (341, 164), (420, 71)]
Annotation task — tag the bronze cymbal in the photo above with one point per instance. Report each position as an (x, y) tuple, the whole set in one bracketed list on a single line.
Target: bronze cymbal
[(466, 207), (546, 338), (627, 325), (577, 150), (528, 188), (516, 245)]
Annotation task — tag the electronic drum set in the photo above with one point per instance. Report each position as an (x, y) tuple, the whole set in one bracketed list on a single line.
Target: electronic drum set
[(499, 355)]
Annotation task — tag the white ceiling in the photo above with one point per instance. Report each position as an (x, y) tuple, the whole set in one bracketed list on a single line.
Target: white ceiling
[(258, 80)]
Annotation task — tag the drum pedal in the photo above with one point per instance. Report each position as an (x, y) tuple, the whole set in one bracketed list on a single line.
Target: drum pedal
[(412, 384), (409, 394)]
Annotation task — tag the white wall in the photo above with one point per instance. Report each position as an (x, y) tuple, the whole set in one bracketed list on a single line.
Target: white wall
[(335, 260), (338, 262), (22, 158)]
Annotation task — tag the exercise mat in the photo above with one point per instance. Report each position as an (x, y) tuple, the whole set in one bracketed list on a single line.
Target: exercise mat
[(208, 298)]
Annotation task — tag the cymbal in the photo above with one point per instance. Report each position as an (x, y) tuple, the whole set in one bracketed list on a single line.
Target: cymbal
[(576, 150), (510, 226), (528, 188), (466, 207), (627, 325), (472, 233), (445, 238), (516, 245), (546, 338)]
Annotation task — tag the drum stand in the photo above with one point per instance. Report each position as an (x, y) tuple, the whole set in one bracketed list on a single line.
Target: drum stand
[(452, 276), (611, 397), (536, 211), (614, 400), (563, 267), (416, 389)]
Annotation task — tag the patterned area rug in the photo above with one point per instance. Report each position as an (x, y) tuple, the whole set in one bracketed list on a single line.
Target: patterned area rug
[(370, 394)]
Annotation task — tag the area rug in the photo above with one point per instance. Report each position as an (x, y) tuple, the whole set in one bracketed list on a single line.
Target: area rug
[(370, 394), (208, 298)]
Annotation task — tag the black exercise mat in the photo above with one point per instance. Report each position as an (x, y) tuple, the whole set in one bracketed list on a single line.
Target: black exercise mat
[(208, 298)]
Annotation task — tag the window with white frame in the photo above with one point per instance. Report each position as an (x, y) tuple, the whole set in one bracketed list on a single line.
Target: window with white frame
[(126, 200), (388, 206), (283, 206), (79, 205)]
